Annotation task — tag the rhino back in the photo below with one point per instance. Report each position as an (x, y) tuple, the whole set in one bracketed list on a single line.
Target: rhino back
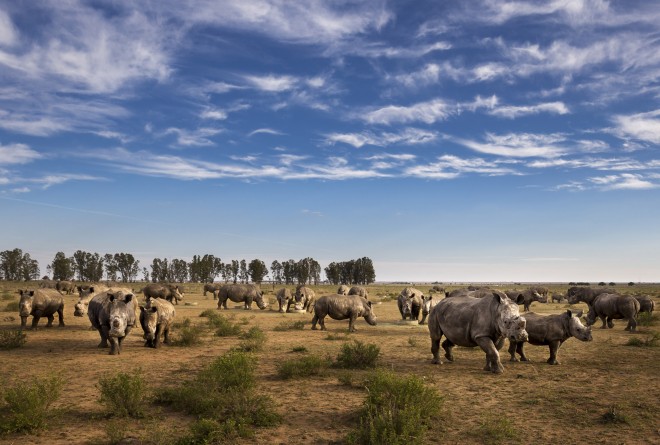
[(615, 305), (464, 319), (543, 329), (47, 300)]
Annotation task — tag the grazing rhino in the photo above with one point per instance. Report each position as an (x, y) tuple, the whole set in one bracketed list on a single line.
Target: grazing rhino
[(304, 299), (245, 293), (283, 298), (646, 304), (541, 290), (343, 290), (470, 322), (47, 284), (526, 297), (437, 290), (86, 293), (610, 307), (44, 302), (170, 292), (156, 318), (358, 290), (585, 294), (65, 287), (551, 331), (427, 305), (409, 302), (112, 313), (213, 288), (558, 298), (342, 307)]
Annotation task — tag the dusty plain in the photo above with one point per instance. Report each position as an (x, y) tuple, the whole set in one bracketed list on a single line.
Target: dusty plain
[(541, 403)]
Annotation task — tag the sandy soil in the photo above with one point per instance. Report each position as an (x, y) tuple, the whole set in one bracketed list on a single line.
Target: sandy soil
[(545, 404)]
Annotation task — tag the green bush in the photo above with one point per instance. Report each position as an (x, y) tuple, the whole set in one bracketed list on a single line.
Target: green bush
[(124, 394), (646, 319), (186, 334), (28, 403), (398, 410), (6, 295), (12, 339), (299, 349), (496, 430), (358, 355), (302, 367), (12, 306), (614, 415), (253, 340), (224, 327), (290, 326), (651, 341)]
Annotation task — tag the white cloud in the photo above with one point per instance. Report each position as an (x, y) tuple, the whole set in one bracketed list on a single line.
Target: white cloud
[(517, 145), (408, 136), (271, 83), (606, 164), (642, 126), (193, 138), (8, 33), (625, 181), (213, 114), (427, 112), (512, 112), (265, 131), (380, 50), (450, 166), (17, 154)]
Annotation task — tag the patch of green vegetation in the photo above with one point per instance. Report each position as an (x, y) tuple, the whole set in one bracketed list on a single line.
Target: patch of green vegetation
[(28, 404), (299, 349), (398, 410), (335, 337), (646, 319), (413, 342), (346, 378), (186, 333), (302, 367), (290, 326), (223, 326), (496, 430), (613, 415), (6, 296), (124, 394), (12, 339), (253, 340), (651, 341), (12, 306), (358, 355)]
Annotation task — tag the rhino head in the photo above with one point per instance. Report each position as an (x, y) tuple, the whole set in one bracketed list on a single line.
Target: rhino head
[(149, 322), (509, 321), (176, 293), (25, 304), (426, 304), (119, 313), (262, 303), (590, 317), (406, 306), (576, 328), (369, 315)]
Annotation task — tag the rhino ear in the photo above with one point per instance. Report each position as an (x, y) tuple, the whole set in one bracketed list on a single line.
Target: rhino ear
[(128, 298), (141, 308), (154, 309), (111, 297), (579, 314), (369, 303)]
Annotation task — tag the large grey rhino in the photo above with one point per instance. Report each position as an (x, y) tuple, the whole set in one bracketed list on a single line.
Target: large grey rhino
[(304, 298), (551, 331), (213, 288), (170, 292), (359, 290), (283, 297), (65, 287), (112, 313), (470, 322), (610, 307), (343, 290), (409, 303), (342, 307), (585, 294), (646, 303), (156, 318), (241, 293), (526, 297), (43, 302), (86, 293)]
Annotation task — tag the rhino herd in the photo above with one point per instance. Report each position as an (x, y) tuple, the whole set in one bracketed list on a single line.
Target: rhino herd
[(470, 317)]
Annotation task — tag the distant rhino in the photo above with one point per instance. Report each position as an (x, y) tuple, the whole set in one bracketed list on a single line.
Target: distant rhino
[(359, 290), (44, 302), (610, 307), (646, 303), (409, 303), (557, 298), (526, 297), (241, 293), (342, 307), (112, 313), (170, 292), (470, 322), (283, 297), (304, 298), (586, 294), (551, 331), (213, 288), (86, 293), (343, 290)]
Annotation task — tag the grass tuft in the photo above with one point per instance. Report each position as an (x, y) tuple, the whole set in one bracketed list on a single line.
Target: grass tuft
[(253, 340), (124, 394), (496, 430), (223, 326), (299, 349), (358, 355), (12, 306), (290, 326), (613, 415), (28, 404), (12, 339), (646, 319), (302, 367), (651, 341), (187, 334)]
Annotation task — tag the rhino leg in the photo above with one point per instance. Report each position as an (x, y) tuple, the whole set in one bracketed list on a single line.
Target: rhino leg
[(60, 315), (315, 320), (104, 330), (610, 322), (493, 363), (554, 348), (51, 319), (604, 320), (114, 346), (322, 323), (23, 322), (632, 324), (448, 346), (512, 350), (166, 335), (288, 306), (351, 323), (435, 347), (423, 320), (157, 336), (521, 351)]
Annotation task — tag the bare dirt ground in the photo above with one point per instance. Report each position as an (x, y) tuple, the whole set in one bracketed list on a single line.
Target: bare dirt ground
[(544, 404)]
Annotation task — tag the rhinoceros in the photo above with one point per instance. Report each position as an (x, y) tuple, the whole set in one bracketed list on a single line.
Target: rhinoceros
[(409, 302), (86, 293), (43, 302), (283, 298), (557, 298), (526, 297), (304, 298), (551, 331), (156, 318), (342, 307), (241, 293), (170, 292), (47, 284), (585, 294), (358, 290), (112, 313), (213, 288), (646, 304), (610, 307), (343, 290), (470, 322), (65, 287), (427, 304)]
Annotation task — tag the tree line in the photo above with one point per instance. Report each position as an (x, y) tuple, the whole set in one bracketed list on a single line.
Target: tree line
[(92, 267)]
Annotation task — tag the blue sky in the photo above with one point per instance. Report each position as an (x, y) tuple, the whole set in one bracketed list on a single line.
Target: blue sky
[(481, 141)]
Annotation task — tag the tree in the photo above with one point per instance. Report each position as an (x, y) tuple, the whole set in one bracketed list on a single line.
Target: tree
[(257, 270), (631, 284), (234, 270), (243, 273), (127, 266), (333, 273), (178, 271), (88, 266), (289, 271), (11, 264), (62, 267), (29, 268), (145, 274), (276, 272), (111, 268), (205, 269), (159, 270)]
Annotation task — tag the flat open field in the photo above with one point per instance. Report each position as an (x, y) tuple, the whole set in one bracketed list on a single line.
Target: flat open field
[(543, 403)]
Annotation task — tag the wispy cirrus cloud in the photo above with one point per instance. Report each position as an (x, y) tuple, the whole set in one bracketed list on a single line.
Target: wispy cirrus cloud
[(517, 145), (17, 154), (624, 181), (612, 164), (641, 126), (199, 137), (512, 112), (266, 131), (450, 166), (407, 136)]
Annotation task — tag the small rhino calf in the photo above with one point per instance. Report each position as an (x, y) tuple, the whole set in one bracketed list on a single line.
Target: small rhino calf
[(156, 318)]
